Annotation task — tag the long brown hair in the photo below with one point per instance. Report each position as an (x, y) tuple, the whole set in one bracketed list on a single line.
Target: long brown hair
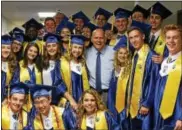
[(37, 60), (99, 103), (46, 56), (12, 62)]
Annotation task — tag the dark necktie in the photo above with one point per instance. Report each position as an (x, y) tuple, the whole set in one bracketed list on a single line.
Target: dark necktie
[(15, 116), (98, 73), (132, 75), (152, 40)]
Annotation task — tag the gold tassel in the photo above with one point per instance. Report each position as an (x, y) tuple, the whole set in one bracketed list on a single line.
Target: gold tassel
[(113, 19)]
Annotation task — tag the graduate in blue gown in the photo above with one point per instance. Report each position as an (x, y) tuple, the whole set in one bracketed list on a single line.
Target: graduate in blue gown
[(30, 67), (168, 92), (120, 77), (51, 74), (78, 77), (8, 65), (92, 114), (142, 80), (47, 116)]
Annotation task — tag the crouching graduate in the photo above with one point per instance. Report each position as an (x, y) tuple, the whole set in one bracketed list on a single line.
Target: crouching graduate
[(92, 113), (168, 94), (13, 115), (47, 116)]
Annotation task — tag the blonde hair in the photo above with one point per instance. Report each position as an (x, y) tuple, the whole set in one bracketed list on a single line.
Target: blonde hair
[(69, 56), (99, 104), (127, 64), (172, 27)]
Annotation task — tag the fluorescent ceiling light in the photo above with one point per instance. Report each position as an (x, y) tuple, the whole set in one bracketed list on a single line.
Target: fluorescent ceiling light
[(46, 14)]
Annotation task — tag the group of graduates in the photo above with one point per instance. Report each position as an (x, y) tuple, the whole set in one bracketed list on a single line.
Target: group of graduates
[(74, 74)]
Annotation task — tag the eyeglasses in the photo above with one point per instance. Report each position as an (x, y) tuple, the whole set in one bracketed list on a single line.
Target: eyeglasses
[(44, 101)]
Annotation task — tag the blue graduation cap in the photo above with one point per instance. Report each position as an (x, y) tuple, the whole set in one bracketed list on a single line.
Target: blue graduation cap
[(20, 88), (90, 25), (138, 8), (16, 30), (122, 43), (78, 39), (160, 9), (32, 23), (122, 13), (41, 90), (6, 39), (52, 38), (144, 27), (65, 24), (104, 12), (80, 15), (18, 37)]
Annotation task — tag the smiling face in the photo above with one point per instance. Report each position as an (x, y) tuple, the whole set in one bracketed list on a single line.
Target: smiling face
[(16, 47), (5, 51), (89, 103), (122, 55), (155, 21), (32, 53), (16, 102), (76, 50), (173, 41), (98, 39), (52, 49), (121, 24), (136, 38), (79, 23), (50, 26), (42, 104), (100, 20), (65, 33), (138, 16)]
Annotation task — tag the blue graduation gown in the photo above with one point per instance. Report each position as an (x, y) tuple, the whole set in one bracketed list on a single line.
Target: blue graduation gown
[(112, 124), (57, 82), (147, 96), (77, 85), (16, 76), (159, 122), (3, 85)]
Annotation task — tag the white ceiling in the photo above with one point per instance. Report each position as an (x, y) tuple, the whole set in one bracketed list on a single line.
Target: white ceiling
[(20, 12)]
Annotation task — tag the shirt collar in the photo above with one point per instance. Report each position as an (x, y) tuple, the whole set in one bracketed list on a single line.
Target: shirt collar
[(174, 57), (102, 51), (156, 34)]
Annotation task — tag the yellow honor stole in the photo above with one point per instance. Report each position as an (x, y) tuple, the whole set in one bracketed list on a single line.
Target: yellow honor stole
[(100, 121), (57, 120), (138, 78), (160, 45), (112, 42), (66, 74), (24, 74), (171, 90), (6, 118), (121, 91)]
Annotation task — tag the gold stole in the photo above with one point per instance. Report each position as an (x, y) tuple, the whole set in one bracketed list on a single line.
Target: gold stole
[(100, 122), (171, 90), (24, 74), (6, 118), (38, 42), (8, 76), (160, 45), (112, 42), (66, 74), (138, 78), (121, 91), (56, 114)]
